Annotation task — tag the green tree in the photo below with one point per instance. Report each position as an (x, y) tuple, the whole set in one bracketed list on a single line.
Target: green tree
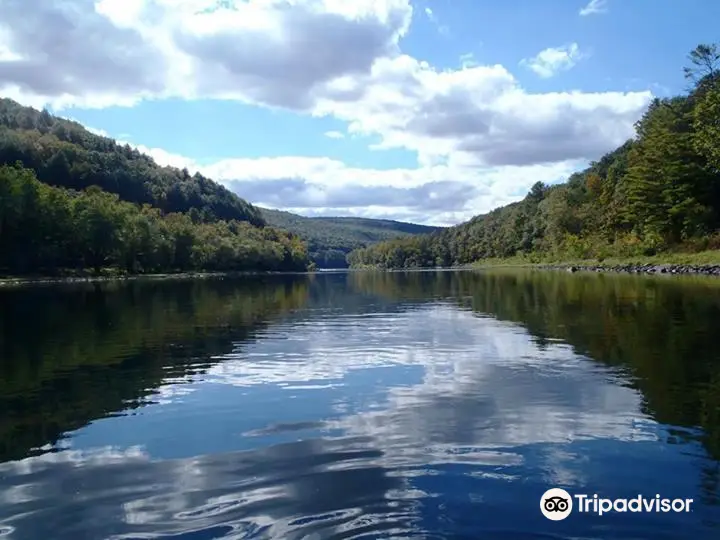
[(668, 182), (706, 121), (705, 62), (45, 229)]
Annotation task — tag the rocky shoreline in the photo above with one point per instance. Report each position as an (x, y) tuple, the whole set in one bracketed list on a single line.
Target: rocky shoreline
[(673, 269)]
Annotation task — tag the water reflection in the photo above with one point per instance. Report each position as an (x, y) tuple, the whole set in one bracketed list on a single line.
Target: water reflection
[(303, 485), (359, 406), (659, 332), (71, 354)]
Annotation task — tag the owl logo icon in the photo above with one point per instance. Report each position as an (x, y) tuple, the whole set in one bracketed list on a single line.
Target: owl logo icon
[(556, 504)]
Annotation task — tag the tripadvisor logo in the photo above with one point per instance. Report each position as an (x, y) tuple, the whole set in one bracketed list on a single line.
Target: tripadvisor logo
[(556, 504)]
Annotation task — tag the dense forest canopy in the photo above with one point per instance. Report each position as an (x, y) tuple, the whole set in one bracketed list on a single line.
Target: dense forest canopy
[(330, 239), (47, 230), (65, 154), (658, 191)]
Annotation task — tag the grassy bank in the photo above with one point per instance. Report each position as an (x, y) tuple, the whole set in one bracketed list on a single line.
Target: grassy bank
[(701, 258)]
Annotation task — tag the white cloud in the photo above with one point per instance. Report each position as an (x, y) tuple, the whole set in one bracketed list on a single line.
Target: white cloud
[(165, 158), (467, 60), (480, 114), (443, 194), (335, 134), (96, 131), (594, 7), (553, 60), (96, 53), (475, 125)]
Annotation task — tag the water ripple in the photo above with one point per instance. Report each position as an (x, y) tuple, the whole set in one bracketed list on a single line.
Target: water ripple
[(346, 409)]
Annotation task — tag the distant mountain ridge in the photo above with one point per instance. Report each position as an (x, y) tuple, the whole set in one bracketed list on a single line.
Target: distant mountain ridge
[(330, 239)]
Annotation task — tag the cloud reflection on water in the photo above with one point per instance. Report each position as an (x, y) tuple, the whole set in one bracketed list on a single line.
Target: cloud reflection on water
[(511, 414)]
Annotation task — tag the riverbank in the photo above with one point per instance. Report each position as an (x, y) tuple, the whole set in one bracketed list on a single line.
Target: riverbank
[(679, 269), (30, 280), (701, 263)]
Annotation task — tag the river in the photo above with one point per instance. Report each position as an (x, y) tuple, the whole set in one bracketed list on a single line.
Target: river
[(359, 405)]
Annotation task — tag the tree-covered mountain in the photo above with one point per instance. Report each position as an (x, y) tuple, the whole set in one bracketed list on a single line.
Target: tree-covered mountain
[(47, 230), (659, 191), (330, 239), (72, 201), (65, 154)]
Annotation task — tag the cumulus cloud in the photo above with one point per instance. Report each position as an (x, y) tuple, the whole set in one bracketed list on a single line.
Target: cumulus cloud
[(473, 112), (286, 56), (298, 192), (443, 194), (335, 134), (277, 53), (320, 58), (553, 60), (594, 7), (66, 52)]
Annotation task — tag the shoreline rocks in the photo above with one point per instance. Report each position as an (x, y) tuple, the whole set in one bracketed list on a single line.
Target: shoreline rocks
[(671, 269)]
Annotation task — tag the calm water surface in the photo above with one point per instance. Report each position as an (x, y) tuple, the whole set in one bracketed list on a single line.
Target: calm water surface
[(360, 405)]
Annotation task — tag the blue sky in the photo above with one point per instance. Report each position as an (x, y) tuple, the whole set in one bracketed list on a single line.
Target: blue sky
[(431, 111)]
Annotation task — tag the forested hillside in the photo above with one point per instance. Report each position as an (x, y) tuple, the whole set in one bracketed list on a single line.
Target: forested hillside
[(65, 154), (72, 201), (49, 230), (659, 191), (330, 239)]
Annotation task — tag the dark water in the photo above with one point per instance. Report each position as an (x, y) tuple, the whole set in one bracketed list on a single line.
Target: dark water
[(421, 405)]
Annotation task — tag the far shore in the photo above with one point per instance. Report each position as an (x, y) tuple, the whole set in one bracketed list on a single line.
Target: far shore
[(703, 263), (90, 278), (625, 268)]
